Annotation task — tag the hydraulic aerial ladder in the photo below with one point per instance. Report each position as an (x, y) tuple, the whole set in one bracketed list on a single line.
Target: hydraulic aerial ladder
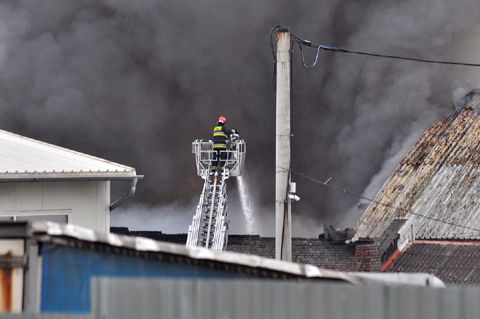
[(210, 223)]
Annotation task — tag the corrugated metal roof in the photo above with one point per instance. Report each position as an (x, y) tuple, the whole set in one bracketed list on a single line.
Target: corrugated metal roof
[(26, 158), (48, 231), (436, 182), (45, 231)]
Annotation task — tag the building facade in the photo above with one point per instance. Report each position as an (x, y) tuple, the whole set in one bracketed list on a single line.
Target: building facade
[(40, 181)]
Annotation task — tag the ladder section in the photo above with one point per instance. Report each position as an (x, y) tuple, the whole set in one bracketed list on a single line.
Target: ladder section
[(210, 223)]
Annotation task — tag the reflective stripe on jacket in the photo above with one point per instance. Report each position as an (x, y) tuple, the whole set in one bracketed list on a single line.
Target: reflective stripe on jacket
[(220, 136)]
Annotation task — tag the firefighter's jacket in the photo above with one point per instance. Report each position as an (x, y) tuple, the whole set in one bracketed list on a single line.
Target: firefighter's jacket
[(220, 136)]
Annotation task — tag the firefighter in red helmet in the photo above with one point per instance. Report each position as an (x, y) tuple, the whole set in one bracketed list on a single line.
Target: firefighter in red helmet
[(221, 134)]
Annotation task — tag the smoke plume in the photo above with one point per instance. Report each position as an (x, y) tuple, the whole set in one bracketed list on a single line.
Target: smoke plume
[(136, 82)]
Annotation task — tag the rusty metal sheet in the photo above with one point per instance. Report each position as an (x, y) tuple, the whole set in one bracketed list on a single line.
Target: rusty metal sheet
[(393, 195), (437, 181), (440, 130), (467, 147), (11, 275), (425, 144), (376, 212), (442, 150)]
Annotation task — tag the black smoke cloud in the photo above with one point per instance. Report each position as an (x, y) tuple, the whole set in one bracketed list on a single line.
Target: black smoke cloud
[(136, 82)]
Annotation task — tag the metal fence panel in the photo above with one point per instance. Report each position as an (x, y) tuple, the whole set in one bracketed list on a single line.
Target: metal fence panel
[(44, 316), (245, 299)]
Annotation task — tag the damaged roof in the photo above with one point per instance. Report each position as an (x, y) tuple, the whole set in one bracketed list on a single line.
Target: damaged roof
[(436, 183)]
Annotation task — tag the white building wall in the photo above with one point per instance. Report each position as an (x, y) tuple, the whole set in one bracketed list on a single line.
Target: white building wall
[(85, 203)]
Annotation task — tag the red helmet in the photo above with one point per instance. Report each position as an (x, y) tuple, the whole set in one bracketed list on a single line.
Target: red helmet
[(222, 119)]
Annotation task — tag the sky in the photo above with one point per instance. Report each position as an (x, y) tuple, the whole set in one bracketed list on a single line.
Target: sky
[(135, 82)]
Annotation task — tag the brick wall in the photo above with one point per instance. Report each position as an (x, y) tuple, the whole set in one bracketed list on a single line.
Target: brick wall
[(314, 251), (304, 250), (252, 245), (311, 251), (367, 258)]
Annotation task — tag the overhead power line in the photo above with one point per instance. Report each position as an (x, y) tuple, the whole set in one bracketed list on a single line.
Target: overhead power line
[(319, 47), (306, 43)]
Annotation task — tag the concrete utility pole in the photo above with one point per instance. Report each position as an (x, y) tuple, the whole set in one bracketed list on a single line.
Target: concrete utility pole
[(283, 236)]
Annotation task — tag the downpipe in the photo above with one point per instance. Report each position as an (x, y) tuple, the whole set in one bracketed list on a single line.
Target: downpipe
[(120, 201)]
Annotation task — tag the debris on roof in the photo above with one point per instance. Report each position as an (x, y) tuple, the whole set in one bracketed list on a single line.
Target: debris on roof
[(332, 236)]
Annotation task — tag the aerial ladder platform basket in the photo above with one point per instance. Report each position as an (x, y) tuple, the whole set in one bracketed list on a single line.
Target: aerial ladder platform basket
[(210, 223)]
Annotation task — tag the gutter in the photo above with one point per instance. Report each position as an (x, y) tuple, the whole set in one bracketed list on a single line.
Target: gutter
[(120, 201), (68, 179)]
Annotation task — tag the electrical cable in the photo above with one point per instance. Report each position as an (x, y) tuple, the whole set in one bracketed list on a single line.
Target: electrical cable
[(274, 83), (303, 58), (383, 204), (334, 49), (320, 47)]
